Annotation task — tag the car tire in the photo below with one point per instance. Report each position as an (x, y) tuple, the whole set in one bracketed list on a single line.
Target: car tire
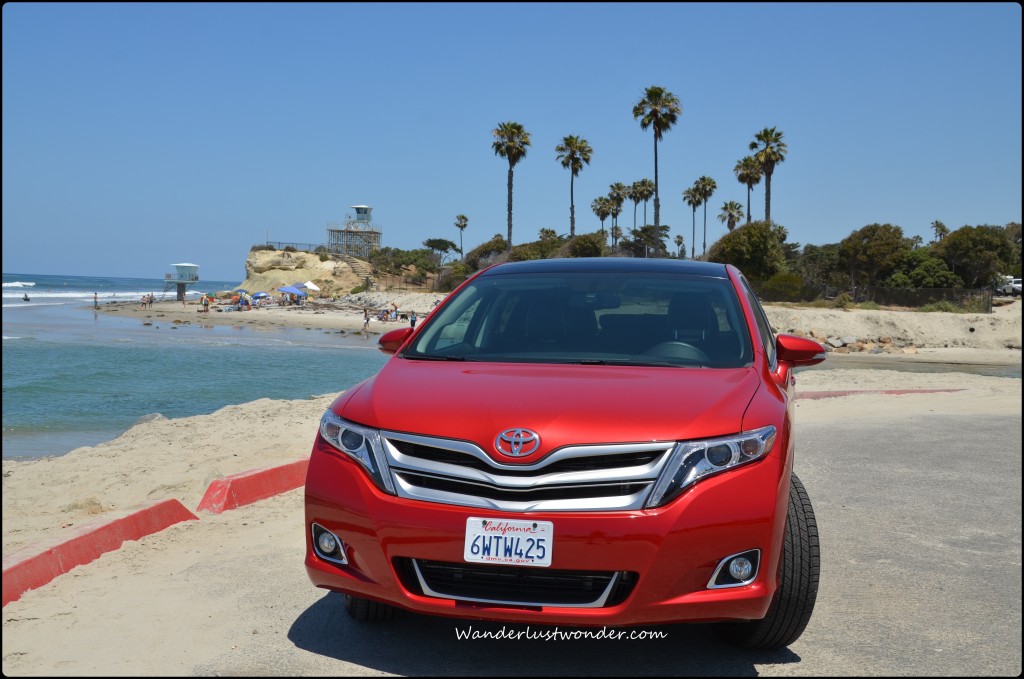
[(365, 610), (797, 589)]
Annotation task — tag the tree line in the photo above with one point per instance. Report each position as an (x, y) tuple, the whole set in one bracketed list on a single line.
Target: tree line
[(874, 255)]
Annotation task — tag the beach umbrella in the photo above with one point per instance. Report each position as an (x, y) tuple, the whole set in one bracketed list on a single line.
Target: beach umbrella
[(292, 290), (260, 295), (309, 285), (242, 291)]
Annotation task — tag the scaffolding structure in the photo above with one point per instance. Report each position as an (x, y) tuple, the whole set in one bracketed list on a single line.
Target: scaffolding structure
[(357, 236)]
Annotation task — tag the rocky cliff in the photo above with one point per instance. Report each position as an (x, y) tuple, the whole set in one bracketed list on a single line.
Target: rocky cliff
[(268, 270)]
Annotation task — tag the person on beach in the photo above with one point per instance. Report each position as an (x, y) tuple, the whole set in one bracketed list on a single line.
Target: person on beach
[(366, 318), (95, 301), (206, 304), (412, 319)]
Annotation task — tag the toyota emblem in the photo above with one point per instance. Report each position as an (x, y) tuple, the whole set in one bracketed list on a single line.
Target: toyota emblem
[(517, 442)]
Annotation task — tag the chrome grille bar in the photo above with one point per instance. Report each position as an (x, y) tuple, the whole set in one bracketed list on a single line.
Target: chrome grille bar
[(593, 477)]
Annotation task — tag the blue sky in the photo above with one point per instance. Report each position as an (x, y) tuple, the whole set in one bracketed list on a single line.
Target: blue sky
[(139, 135)]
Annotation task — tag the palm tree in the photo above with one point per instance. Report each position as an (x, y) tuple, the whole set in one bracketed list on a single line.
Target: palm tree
[(645, 190), (940, 229), (691, 197), (632, 192), (574, 152), (748, 173), (771, 150), (731, 213), (510, 141), (658, 109), (461, 222), (614, 209), (602, 209), (679, 241), (706, 186), (616, 234), (617, 194)]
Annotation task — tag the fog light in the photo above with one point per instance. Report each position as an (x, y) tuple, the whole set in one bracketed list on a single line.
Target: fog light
[(741, 568), (328, 543), (328, 546), (736, 570)]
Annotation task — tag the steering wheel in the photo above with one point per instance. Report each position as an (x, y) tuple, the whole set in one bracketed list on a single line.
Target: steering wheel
[(676, 349)]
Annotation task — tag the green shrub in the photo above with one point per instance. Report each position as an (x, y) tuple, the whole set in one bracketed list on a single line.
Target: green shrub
[(783, 287), (942, 305), (869, 306), (586, 245), (843, 301), (261, 248), (356, 290), (323, 256), (290, 248)]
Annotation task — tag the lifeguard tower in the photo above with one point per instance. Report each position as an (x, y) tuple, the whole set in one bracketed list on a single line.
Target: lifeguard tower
[(357, 237), (184, 276)]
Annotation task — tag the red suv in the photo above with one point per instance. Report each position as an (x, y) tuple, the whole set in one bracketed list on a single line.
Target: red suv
[(574, 442)]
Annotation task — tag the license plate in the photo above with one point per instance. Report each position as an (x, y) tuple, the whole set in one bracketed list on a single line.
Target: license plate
[(500, 541)]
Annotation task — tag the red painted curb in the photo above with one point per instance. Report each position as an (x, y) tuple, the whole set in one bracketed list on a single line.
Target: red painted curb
[(891, 392), (245, 488), (38, 564)]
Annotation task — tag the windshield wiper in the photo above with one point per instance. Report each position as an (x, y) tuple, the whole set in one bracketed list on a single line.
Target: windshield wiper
[(427, 357)]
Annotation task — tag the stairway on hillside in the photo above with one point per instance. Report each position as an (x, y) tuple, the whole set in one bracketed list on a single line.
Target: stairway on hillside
[(360, 267)]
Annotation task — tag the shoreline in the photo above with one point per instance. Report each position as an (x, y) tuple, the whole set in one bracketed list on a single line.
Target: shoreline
[(937, 337)]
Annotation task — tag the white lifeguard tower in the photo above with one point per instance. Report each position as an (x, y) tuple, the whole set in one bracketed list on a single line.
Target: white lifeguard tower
[(358, 236), (184, 276)]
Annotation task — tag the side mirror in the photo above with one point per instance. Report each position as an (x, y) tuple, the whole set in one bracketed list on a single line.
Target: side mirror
[(392, 341), (799, 351)]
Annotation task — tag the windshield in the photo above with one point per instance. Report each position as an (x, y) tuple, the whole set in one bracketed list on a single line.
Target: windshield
[(590, 318)]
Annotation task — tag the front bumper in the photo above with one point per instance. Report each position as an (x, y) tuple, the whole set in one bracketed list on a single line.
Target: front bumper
[(665, 557)]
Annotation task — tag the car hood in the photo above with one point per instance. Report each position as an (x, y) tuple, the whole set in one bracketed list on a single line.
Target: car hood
[(563, 404)]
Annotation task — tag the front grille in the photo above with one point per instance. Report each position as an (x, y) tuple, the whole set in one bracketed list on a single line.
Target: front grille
[(516, 585), (570, 464), (572, 478)]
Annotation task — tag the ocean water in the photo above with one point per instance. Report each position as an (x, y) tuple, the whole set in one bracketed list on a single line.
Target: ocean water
[(74, 377)]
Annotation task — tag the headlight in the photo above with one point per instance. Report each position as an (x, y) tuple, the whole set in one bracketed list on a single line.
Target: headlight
[(693, 460), (361, 444)]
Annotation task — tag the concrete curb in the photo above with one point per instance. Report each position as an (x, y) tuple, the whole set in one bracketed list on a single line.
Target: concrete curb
[(38, 564), (891, 392), (245, 488)]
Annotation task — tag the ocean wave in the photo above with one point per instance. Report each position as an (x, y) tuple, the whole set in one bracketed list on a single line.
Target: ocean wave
[(22, 305), (19, 284), (85, 295)]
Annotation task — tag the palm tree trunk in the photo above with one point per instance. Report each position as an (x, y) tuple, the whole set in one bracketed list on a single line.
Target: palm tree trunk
[(572, 207), (510, 206), (748, 203), (634, 215), (768, 197), (705, 251), (657, 201), (693, 235), (645, 212)]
